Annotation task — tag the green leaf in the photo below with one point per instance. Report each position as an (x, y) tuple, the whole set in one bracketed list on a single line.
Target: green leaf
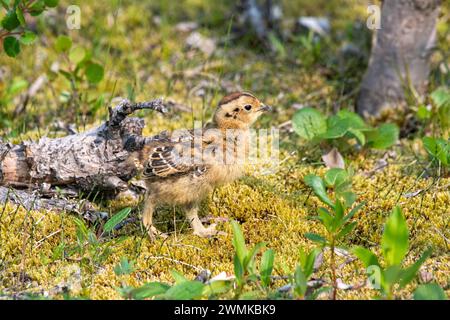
[(266, 267), (17, 86), (307, 261), (149, 290), (239, 242), (28, 38), (37, 8), (315, 238), (366, 256), (124, 267), (238, 270), (4, 4), (116, 219), (346, 230), (423, 113), (326, 218), (356, 122), (21, 17), (410, 273), (216, 287), (353, 212), (394, 242), (438, 148), (318, 186), (336, 128), (391, 275), (177, 276), (441, 97), (77, 54), (301, 284), (11, 46), (10, 21), (309, 123), (430, 291), (82, 230), (250, 258), (63, 44), (335, 176), (187, 290), (383, 137), (348, 197), (338, 214), (51, 3), (94, 72), (358, 135)]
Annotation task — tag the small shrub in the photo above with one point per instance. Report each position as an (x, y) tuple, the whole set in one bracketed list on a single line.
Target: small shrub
[(312, 125), (394, 245)]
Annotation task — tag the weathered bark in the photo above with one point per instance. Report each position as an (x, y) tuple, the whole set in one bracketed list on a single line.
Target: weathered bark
[(99, 159), (400, 54), (36, 201)]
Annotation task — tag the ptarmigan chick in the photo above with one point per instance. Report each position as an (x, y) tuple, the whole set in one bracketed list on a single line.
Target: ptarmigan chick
[(183, 169)]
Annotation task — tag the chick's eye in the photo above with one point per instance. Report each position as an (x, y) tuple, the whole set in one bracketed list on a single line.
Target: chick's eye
[(248, 107)]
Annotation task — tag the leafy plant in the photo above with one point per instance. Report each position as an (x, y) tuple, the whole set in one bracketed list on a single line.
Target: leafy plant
[(429, 291), (302, 274), (124, 267), (334, 218), (245, 270), (438, 149), (82, 72), (14, 30), (244, 260), (437, 112), (394, 245), (116, 219), (312, 125)]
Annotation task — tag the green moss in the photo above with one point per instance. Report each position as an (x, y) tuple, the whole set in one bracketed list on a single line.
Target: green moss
[(271, 208)]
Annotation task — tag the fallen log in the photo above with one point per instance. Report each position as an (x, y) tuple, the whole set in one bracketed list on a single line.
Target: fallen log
[(102, 159), (34, 200)]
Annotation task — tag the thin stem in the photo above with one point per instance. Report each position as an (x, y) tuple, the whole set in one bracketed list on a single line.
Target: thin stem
[(333, 269)]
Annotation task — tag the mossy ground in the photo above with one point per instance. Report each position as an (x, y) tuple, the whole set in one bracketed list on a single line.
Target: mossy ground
[(144, 59)]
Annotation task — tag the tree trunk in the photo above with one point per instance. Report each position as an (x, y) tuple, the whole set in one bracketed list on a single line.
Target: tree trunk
[(102, 159), (400, 55)]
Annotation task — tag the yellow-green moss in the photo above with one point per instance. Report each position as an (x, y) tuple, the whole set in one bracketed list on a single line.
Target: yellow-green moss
[(272, 208), (267, 213)]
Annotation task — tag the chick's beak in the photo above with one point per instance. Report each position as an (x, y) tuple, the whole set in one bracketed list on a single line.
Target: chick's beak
[(265, 108)]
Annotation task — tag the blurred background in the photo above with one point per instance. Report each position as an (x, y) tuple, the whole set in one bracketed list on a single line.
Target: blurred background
[(300, 53)]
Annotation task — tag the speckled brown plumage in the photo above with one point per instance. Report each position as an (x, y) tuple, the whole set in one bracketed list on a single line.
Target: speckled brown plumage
[(184, 169)]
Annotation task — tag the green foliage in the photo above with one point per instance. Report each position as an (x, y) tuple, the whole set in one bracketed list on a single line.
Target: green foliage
[(394, 242), (246, 274), (437, 113), (90, 248), (336, 222), (430, 291), (303, 272), (14, 25), (438, 149), (116, 219), (394, 246), (338, 180), (310, 124), (124, 267), (81, 72), (266, 267), (11, 46)]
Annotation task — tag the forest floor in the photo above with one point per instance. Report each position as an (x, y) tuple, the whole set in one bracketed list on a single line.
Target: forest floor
[(145, 56)]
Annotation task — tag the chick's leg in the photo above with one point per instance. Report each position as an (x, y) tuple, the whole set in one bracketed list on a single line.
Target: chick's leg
[(199, 229), (147, 219)]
